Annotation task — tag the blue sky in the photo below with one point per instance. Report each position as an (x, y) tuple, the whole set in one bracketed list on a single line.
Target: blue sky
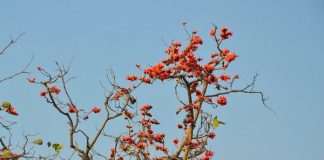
[(280, 40)]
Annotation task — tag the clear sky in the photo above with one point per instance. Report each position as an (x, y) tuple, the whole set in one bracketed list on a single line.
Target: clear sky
[(282, 40)]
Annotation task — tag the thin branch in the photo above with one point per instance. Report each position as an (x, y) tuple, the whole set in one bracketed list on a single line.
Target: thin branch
[(19, 73), (12, 41)]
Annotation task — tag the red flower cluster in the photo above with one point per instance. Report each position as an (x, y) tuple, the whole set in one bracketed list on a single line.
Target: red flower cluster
[(230, 57), (53, 89), (145, 80), (225, 33), (222, 100), (177, 62), (161, 148), (193, 144), (157, 71), (146, 136), (209, 68), (128, 139), (208, 155), (146, 108), (225, 77)]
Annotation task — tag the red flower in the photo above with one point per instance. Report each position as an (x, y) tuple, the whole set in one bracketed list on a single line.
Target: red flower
[(164, 75), (140, 145), (55, 90), (145, 80), (225, 52), (180, 126), (162, 148), (175, 140), (31, 80), (112, 151), (209, 153), (131, 77), (159, 137), (12, 111), (204, 158), (212, 135), (177, 44), (209, 68), (43, 93), (95, 109), (72, 110), (193, 144), (196, 40), (39, 68), (225, 77), (212, 32), (124, 148), (145, 107), (128, 114), (221, 100), (230, 57), (126, 138)]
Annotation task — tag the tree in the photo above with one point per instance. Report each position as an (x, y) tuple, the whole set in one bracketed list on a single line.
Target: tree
[(204, 88)]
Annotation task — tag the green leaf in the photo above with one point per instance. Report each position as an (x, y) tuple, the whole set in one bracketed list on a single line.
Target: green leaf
[(6, 104), (38, 141), (57, 147), (6, 154), (215, 122)]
